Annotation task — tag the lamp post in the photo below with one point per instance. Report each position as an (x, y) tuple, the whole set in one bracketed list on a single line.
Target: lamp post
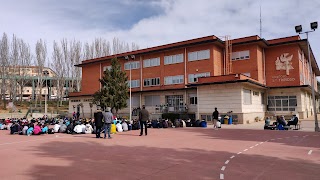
[(314, 26), (46, 73), (130, 84)]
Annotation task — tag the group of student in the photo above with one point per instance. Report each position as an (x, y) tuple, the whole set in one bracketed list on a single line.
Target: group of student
[(281, 123), (24, 127)]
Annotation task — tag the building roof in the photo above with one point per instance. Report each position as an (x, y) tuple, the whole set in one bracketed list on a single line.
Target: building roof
[(202, 40)]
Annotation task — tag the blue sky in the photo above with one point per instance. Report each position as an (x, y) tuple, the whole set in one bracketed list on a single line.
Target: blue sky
[(155, 22)]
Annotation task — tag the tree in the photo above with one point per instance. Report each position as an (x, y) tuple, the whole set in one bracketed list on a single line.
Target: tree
[(4, 61), (41, 57), (114, 91)]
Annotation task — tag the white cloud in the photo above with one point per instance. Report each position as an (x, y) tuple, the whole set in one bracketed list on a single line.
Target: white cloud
[(176, 20)]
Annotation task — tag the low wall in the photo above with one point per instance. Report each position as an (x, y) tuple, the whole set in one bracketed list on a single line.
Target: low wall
[(12, 115)]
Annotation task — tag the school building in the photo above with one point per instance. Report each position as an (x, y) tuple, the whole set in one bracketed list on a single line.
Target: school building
[(250, 76)]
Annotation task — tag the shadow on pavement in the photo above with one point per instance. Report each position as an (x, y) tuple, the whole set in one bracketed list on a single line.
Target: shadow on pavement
[(95, 160)]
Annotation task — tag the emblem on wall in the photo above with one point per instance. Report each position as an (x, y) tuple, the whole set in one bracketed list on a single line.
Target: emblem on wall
[(284, 63)]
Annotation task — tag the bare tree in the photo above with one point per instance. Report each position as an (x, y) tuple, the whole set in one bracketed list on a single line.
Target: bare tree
[(4, 60), (41, 57), (25, 62), (75, 51), (14, 68), (59, 68)]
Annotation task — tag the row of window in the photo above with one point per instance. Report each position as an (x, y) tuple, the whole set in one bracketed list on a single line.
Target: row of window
[(179, 79), (178, 58)]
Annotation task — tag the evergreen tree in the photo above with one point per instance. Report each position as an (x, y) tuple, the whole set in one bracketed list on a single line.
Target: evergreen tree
[(114, 91)]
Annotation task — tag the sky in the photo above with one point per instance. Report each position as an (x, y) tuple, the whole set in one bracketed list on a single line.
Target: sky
[(151, 23)]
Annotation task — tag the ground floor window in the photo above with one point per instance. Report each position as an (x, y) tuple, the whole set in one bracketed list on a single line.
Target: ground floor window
[(175, 103), (282, 103)]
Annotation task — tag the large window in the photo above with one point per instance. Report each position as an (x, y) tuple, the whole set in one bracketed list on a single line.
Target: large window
[(174, 59), (175, 103), (106, 67), (152, 100), (151, 82), (199, 55), (240, 55), (134, 83), (173, 80), (151, 62), (247, 97), (194, 77), (282, 103), (193, 100), (134, 65)]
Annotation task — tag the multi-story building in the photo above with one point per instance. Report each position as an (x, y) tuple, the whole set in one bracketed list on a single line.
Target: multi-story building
[(30, 76), (250, 76)]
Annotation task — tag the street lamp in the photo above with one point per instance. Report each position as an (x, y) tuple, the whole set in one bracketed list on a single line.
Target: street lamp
[(313, 26), (46, 73), (130, 83)]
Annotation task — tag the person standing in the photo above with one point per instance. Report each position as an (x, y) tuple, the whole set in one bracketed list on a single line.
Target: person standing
[(108, 116), (215, 116), (98, 116), (143, 117)]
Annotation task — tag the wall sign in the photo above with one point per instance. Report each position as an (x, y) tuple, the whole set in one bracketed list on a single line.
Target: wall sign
[(284, 63)]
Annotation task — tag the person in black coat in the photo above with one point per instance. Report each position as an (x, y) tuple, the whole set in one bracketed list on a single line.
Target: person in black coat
[(98, 116)]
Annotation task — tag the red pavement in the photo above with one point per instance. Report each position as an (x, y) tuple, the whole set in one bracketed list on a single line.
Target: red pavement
[(183, 153)]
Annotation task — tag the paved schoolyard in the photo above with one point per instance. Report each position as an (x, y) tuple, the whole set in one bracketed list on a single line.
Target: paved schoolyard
[(182, 153)]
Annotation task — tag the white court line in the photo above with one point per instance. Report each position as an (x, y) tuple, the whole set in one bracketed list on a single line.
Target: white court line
[(245, 150), (271, 139), (27, 141), (279, 138), (223, 168), (309, 153), (227, 161), (251, 147), (221, 176), (261, 143), (232, 157), (256, 145), (239, 152)]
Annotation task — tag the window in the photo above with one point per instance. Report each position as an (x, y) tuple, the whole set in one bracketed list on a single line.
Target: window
[(247, 74), (174, 59), (173, 80), (282, 103), (240, 55), (151, 82), (262, 98), (152, 100), (194, 77), (193, 100), (247, 97), (151, 62), (134, 83), (106, 67), (75, 100), (87, 100), (199, 55), (134, 65), (255, 93), (175, 103)]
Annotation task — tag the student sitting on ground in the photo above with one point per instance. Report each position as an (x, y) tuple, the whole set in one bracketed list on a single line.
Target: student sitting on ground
[(88, 129), (70, 128), (30, 129), (56, 127), (78, 129), (124, 126), (14, 128), (45, 129), (37, 130), (25, 129), (83, 127), (63, 128), (119, 127)]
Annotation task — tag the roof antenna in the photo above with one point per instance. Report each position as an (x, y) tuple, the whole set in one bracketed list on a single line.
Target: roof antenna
[(260, 21)]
